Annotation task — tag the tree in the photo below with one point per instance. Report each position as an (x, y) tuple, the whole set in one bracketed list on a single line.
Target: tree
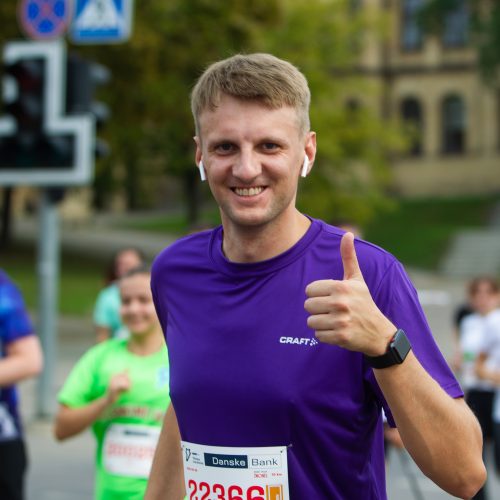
[(325, 38), (153, 75), (173, 41), (151, 129)]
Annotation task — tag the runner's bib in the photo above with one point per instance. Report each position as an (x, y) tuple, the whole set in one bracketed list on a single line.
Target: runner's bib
[(222, 473), (128, 449)]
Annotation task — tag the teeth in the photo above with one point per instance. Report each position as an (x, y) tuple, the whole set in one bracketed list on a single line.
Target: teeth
[(248, 191)]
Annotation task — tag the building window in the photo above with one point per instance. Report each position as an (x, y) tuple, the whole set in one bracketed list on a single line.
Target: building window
[(456, 25), (453, 116), (411, 113), (411, 31)]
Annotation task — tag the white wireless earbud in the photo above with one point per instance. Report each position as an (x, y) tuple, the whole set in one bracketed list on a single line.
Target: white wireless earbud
[(305, 166), (202, 171)]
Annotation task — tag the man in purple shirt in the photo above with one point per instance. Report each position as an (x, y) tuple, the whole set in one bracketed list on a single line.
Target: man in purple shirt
[(287, 337)]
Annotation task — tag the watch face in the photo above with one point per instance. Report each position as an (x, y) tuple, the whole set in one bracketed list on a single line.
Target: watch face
[(397, 350), (400, 345)]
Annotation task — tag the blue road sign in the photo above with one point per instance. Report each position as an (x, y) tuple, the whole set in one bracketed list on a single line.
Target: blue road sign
[(44, 19), (101, 21)]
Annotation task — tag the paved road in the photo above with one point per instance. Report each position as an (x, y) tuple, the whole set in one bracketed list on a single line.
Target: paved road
[(64, 471)]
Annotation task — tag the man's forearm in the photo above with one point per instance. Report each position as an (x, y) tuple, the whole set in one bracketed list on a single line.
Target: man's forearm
[(441, 433), (13, 370), (23, 360), (166, 480)]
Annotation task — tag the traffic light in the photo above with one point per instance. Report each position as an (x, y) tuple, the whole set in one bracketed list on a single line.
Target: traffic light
[(24, 102), (24, 83), (48, 121), (83, 79)]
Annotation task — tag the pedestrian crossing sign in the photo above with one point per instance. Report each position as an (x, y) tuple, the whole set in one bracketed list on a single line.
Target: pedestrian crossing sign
[(101, 21)]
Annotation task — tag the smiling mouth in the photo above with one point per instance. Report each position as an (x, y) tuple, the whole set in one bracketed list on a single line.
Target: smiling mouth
[(253, 191)]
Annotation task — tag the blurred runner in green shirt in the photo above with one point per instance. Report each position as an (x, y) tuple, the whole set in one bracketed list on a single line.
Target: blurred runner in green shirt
[(120, 388)]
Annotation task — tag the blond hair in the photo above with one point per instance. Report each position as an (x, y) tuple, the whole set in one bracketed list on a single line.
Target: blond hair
[(253, 77)]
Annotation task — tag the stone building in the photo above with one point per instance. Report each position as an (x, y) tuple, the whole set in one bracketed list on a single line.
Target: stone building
[(432, 82)]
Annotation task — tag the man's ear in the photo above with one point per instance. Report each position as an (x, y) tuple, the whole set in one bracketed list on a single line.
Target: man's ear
[(197, 155), (310, 149)]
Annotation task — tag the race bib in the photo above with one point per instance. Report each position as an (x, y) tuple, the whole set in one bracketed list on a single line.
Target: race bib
[(128, 449), (222, 473)]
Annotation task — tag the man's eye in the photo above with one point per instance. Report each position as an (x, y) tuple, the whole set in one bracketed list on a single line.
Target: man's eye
[(226, 147), (269, 146)]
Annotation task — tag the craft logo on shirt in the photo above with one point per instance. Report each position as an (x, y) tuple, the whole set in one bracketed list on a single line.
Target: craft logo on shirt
[(303, 341)]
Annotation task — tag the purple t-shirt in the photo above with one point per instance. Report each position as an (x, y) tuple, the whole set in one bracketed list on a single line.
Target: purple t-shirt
[(14, 324), (245, 369)]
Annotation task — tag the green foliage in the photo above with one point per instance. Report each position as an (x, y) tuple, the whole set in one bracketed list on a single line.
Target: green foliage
[(151, 129), (81, 279), (324, 39), (8, 18), (153, 74)]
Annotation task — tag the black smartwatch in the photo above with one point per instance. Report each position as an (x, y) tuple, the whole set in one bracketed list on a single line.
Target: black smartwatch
[(397, 350)]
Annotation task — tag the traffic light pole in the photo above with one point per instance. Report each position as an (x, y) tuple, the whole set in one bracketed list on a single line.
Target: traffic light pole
[(52, 143), (48, 279)]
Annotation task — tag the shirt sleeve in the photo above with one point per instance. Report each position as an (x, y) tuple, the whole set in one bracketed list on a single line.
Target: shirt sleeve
[(79, 388), (398, 300), (14, 318), (491, 334)]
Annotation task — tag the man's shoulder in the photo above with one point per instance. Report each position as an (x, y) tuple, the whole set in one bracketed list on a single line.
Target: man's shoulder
[(471, 319), (493, 319), (3, 277), (7, 286), (369, 254), (185, 249)]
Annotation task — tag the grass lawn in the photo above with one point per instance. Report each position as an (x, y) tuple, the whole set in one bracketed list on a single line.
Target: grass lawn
[(418, 232), (81, 279), (176, 224)]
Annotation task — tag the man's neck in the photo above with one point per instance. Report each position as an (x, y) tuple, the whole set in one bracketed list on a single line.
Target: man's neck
[(255, 244)]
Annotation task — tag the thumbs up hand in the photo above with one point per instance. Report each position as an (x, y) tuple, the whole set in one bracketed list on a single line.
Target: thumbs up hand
[(343, 313)]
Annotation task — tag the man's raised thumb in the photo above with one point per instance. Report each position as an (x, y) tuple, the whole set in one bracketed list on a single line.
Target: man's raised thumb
[(349, 258)]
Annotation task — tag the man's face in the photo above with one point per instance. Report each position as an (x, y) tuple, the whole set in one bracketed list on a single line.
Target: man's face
[(252, 156), (484, 299)]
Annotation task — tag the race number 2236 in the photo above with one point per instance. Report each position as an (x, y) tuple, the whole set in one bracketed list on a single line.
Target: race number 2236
[(206, 491), (235, 473)]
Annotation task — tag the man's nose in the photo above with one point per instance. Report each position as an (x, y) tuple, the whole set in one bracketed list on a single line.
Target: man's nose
[(247, 167)]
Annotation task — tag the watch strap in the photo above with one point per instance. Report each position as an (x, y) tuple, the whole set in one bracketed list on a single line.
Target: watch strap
[(396, 353)]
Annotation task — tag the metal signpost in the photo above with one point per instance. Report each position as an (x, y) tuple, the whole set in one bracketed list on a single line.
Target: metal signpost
[(44, 144), (52, 58)]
